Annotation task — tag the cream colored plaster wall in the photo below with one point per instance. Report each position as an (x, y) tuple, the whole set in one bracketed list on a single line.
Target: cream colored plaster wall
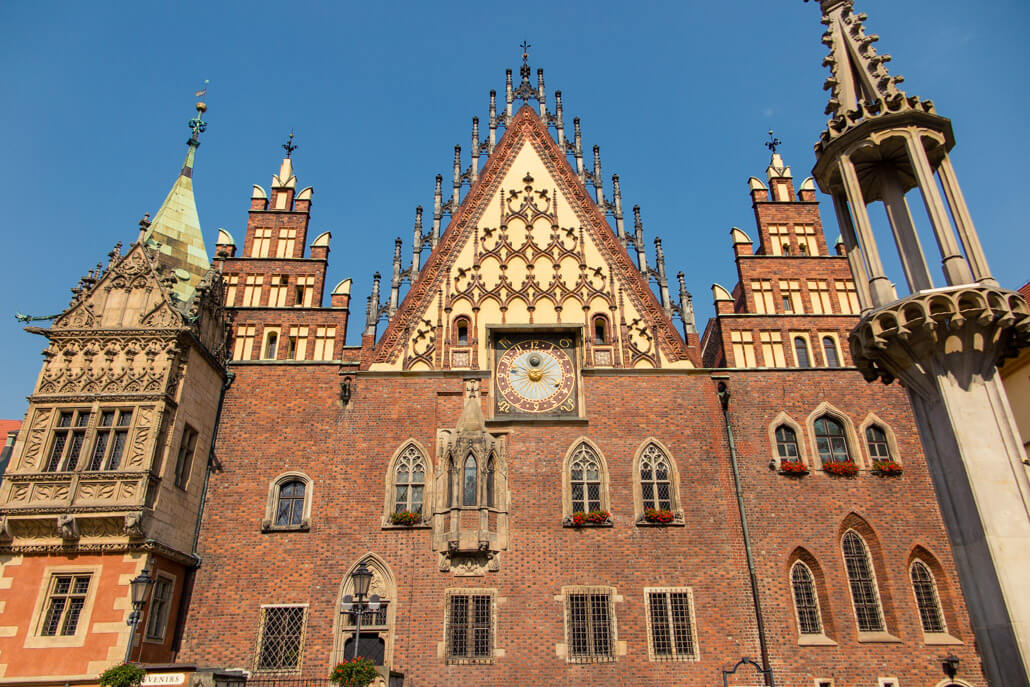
[(1016, 376)]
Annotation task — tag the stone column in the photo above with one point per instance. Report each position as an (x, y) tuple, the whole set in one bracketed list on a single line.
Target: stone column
[(855, 261), (880, 287), (956, 270), (909, 249), (963, 220)]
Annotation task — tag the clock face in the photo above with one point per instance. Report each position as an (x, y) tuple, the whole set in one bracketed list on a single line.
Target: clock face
[(535, 375)]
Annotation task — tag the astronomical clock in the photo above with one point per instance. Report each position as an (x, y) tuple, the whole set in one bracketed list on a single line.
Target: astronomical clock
[(535, 375)]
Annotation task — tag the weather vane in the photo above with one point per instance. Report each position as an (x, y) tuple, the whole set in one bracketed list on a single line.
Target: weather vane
[(289, 147), (525, 50), (773, 143)]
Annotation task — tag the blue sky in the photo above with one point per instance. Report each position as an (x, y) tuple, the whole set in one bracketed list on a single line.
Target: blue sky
[(678, 95)]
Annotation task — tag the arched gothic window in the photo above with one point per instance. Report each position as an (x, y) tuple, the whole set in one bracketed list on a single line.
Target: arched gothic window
[(806, 601), (831, 441), (490, 465), (600, 329), (801, 351), (787, 444), (585, 480), (864, 592), (876, 440), (927, 600), (409, 481), (655, 479), (461, 327), (289, 507), (830, 351), (469, 482)]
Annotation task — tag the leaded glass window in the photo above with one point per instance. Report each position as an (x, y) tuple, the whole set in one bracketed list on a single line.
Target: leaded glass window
[(490, 467), (864, 593), (671, 625), (69, 435), (655, 480), (830, 441), (806, 604), (409, 481), (282, 632), (876, 440), (787, 444), (925, 588), (65, 601), (289, 509), (585, 480), (468, 491), (469, 628), (588, 618), (112, 436)]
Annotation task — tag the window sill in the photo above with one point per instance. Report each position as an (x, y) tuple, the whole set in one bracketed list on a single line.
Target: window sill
[(815, 640), (877, 638), (586, 525), (940, 639), (267, 527), (648, 523), (418, 526)]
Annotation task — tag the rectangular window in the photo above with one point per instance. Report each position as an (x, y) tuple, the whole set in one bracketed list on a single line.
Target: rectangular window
[(160, 607), (763, 294), (287, 242), (184, 461), (244, 342), (670, 624), (807, 245), (743, 349), (281, 640), (779, 240), (588, 625), (325, 341), (112, 435), (69, 435), (847, 297), (305, 292), (298, 343), (65, 599), (772, 349), (231, 284), (819, 292), (262, 242), (469, 626), (252, 290), (278, 291), (792, 300)]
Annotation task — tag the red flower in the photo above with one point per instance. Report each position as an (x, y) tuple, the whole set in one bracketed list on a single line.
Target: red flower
[(406, 518), (844, 468), (660, 516), (887, 467), (793, 467)]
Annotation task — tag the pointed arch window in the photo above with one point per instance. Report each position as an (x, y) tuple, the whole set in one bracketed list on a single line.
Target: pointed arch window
[(830, 441), (925, 587), (787, 444), (865, 594), (490, 466), (409, 481), (806, 601), (585, 480), (876, 441), (655, 479), (469, 482)]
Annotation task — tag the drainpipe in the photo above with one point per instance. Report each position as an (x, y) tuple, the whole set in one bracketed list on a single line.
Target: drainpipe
[(724, 400)]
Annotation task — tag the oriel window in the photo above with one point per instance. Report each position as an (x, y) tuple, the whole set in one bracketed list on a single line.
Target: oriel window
[(109, 444), (69, 437)]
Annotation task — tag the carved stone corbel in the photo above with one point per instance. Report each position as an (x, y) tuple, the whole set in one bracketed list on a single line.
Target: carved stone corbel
[(134, 525), (67, 527)]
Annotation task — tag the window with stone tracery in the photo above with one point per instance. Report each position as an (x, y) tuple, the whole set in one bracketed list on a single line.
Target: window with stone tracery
[(409, 481), (586, 481), (865, 593), (657, 482)]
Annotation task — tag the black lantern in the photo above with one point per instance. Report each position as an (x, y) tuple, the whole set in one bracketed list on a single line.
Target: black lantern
[(139, 586), (361, 578), (950, 665)]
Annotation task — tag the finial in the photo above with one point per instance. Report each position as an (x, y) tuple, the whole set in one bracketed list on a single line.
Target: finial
[(773, 143), (525, 51), (289, 146), (197, 124)]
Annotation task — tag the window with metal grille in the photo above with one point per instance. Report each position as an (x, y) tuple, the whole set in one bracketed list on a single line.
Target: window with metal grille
[(806, 603), (184, 461), (409, 481), (69, 436), (469, 626), (787, 444), (929, 604), (876, 440), (585, 480), (670, 624), (830, 441), (160, 606), (588, 625), (289, 506), (109, 444), (655, 483), (281, 640), (864, 593), (65, 600)]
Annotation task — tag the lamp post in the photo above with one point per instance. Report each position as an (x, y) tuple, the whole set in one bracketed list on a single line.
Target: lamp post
[(138, 590), (356, 606)]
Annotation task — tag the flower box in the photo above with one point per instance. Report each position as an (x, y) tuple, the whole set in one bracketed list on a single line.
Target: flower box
[(845, 468), (887, 468), (356, 672), (794, 468), (405, 518), (662, 517), (594, 518)]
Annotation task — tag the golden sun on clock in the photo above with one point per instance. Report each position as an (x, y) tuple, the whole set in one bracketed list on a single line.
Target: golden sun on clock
[(535, 376)]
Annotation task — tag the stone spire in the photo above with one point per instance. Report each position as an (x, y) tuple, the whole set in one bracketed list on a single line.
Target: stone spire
[(175, 230)]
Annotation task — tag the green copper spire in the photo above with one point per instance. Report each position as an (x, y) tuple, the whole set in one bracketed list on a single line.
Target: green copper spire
[(175, 231)]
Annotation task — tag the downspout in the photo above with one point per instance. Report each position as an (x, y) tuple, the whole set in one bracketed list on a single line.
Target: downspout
[(724, 400)]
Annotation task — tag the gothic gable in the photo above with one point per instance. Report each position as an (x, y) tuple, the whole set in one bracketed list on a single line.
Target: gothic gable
[(528, 246)]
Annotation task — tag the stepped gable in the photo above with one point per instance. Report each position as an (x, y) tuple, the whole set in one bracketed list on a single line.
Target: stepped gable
[(624, 281)]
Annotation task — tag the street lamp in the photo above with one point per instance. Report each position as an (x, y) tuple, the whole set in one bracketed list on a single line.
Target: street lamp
[(950, 666), (138, 591), (356, 607)]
